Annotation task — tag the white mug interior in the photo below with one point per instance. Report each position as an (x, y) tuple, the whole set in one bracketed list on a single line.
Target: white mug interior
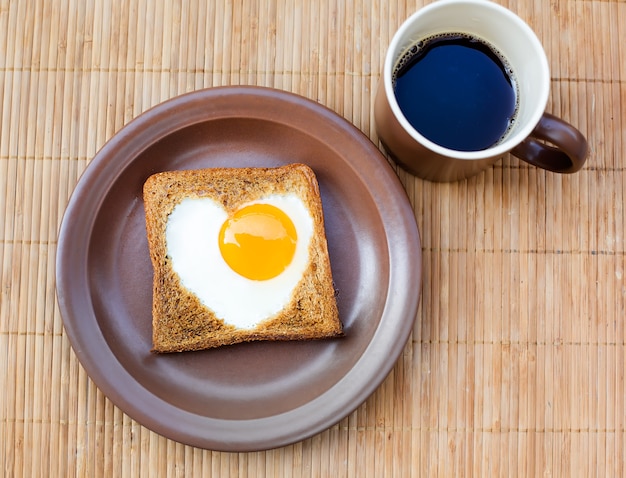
[(501, 29)]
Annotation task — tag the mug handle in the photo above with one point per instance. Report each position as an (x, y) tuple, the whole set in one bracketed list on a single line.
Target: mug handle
[(568, 154)]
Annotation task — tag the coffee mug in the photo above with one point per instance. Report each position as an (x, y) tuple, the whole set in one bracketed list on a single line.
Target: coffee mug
[(465, 82)]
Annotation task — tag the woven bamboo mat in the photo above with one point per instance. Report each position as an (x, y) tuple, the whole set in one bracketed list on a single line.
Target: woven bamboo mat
[(517, 362)]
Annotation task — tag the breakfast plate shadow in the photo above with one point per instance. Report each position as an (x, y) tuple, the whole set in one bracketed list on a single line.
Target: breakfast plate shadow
[(250, 396)]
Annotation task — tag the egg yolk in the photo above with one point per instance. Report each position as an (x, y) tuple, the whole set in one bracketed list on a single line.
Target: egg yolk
[(258, 241)]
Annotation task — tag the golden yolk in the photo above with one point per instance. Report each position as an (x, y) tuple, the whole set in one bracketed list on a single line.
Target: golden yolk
[(258, 241)]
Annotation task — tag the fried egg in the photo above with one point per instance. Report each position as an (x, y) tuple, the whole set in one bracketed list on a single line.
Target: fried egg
[(244, 266)]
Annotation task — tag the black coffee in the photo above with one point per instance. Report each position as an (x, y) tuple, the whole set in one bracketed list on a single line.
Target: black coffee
[(456, 91)]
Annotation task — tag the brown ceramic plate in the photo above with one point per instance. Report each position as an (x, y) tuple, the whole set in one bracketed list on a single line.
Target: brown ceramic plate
[(257, 395)]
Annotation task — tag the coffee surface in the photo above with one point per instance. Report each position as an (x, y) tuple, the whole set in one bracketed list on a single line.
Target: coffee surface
[(457, 91)]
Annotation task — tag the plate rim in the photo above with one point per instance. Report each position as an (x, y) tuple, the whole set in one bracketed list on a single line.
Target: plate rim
[(409, 247)]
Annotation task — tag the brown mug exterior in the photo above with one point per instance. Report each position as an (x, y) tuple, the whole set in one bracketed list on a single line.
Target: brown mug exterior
[(566, 153)]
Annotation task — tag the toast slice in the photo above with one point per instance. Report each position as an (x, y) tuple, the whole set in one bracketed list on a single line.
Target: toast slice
[(181, 320)]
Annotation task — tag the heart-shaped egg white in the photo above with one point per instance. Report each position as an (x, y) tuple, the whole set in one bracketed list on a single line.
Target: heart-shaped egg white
[(192, 243)]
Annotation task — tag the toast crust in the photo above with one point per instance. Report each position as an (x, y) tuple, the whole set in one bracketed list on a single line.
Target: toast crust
[(180, 322)]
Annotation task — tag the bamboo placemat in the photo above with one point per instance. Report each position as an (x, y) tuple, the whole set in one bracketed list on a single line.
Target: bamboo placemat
[(517, 362)]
